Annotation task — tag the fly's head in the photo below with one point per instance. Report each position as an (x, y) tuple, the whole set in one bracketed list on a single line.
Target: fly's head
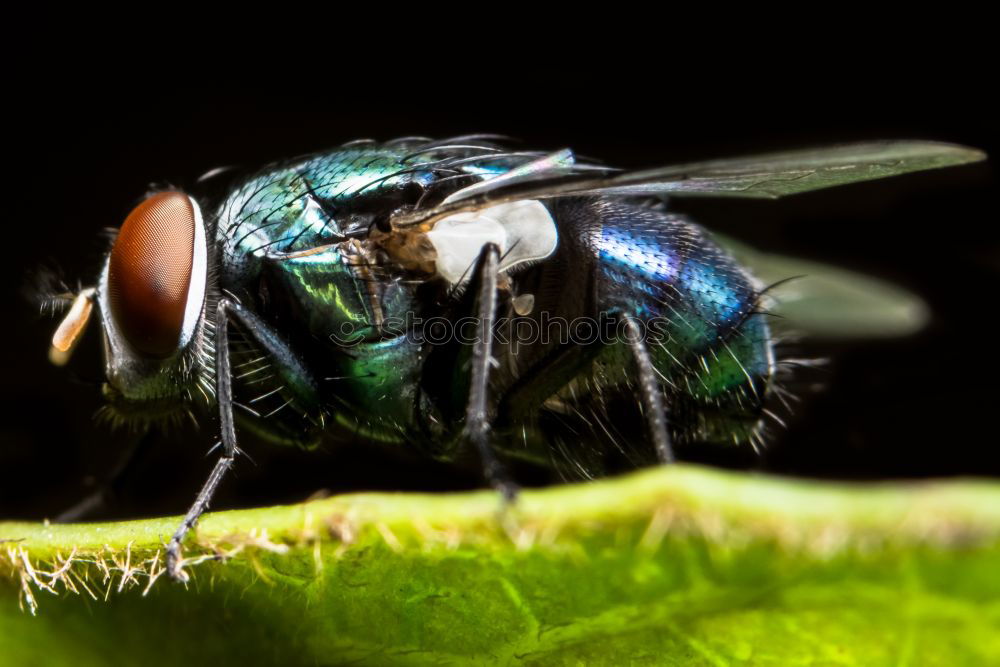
[(151, 299)]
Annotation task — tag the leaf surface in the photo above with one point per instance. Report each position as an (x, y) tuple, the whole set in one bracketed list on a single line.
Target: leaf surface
[(681, 565)]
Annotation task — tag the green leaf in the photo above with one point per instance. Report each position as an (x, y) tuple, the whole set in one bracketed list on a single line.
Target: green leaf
[(678, 565)]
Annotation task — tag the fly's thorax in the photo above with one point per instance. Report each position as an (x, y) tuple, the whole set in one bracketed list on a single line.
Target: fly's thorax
[(340, 298)]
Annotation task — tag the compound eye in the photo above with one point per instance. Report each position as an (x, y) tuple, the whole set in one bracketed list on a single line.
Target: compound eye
[(149, 273)]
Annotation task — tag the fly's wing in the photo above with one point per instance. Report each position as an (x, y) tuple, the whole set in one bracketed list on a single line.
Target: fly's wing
[(826, 302), (764, 176)]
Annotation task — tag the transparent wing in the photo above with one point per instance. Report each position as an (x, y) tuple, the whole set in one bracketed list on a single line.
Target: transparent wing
[(827, 302), (763, 176)]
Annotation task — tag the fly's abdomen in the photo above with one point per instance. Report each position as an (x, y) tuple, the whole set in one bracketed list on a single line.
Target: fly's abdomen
[(710, 344)]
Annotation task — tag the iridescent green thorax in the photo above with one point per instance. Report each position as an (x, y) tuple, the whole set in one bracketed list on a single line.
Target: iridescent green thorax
[(310, 203)]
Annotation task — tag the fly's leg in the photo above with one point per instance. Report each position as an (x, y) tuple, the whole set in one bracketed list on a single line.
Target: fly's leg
[(174, 566), (562, 366), (224, 395), (290, 366), (477, 422), (650, 395), (98, 498)]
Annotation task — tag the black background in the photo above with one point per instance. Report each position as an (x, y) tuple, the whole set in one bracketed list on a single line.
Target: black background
[(82, 151)]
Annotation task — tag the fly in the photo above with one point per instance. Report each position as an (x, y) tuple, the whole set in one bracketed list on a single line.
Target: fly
[(450, 295)]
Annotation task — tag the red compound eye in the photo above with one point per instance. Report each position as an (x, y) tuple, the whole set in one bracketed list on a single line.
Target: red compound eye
[(149, 275)]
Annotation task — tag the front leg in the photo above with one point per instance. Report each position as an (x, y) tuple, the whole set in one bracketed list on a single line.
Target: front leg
[(300, 381), (224, 396)]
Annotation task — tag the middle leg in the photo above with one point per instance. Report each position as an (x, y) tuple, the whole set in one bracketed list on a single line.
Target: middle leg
[(477, 412)]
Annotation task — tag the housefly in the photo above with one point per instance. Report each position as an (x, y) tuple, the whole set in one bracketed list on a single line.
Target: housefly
[(449, 296)]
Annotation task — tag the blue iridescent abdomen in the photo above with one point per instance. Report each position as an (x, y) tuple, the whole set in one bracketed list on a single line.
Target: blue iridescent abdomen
[(709, 342)]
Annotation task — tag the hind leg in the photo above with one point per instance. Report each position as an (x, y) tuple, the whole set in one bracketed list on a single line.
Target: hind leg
[(650, 395)]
